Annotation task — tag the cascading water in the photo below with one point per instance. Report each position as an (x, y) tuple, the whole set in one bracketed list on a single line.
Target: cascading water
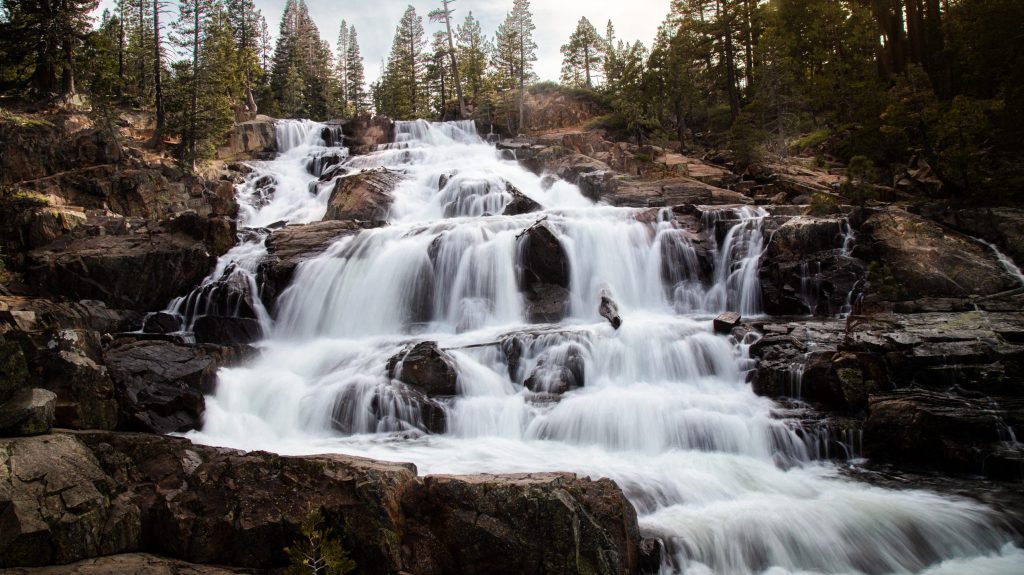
[(660, 405)]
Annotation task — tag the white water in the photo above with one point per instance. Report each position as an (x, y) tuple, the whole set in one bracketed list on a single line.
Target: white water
[(664, 409)]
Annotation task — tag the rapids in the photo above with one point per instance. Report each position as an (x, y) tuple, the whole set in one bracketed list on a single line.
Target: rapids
[(728, 484)]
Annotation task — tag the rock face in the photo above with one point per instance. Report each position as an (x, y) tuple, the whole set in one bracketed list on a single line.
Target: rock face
[(27, 412), (59, 505), (919, 259), (141, 271), (544, 273), (364, 133), (160, 385), (541, 523), (958, 433), (365, 196), (255, 140), (290, 245), (808, 269), (1001, 226), (426, 367), (118, 493)]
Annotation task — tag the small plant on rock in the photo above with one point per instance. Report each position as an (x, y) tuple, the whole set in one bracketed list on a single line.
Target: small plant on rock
[(318, 551)]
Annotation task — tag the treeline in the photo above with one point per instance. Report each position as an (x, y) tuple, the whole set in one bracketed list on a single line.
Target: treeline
[(461, 72), (925, 87), (201, 65)]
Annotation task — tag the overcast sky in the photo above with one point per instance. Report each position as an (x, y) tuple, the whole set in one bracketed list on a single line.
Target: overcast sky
[(375, 21)]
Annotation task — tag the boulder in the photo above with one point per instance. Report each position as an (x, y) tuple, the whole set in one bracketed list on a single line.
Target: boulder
[(725, 322), (543, 273), (221, 506), (520, 204), (918, 258), (223, 330), (365, 133), (558, 370), (161, 385), (525, 523), (542, 259), (162, 322), (69, 362), (58, 504), (290, 245), (27, 412), (425, 367), (393, 408), (676, 191), (1002, 226), (255, 140), (609, 310), (218, 233), (363, 196), (140, 271), (953, 432)]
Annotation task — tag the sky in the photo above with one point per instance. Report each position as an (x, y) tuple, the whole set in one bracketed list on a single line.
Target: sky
[(375, 22)]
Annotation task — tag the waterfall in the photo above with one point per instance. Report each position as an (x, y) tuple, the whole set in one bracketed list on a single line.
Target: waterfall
[(661, 405)]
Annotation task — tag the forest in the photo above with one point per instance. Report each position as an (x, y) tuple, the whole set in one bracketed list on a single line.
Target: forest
[(925, 84)]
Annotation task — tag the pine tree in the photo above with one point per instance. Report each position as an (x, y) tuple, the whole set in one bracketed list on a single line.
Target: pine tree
[(342, 63), (516, 50), (473, 55), (582, 56), (444, 14), (440, 80), (355, 84), (403, 78), (44, 37)]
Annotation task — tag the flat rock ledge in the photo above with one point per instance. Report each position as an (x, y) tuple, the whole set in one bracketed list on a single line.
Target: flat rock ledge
[(101, 502)]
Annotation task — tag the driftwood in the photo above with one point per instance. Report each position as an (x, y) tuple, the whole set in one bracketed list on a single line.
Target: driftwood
[(535, 224)]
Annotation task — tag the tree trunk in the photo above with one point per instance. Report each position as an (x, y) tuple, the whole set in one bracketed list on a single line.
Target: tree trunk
[(158, 134), (120, 48), (726, 20), (195, 84), (455, 63)]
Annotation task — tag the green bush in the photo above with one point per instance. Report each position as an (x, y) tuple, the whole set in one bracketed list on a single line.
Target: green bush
[(318, 551)]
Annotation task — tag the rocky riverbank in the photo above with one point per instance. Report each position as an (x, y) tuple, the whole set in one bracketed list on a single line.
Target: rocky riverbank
[(898, 337)]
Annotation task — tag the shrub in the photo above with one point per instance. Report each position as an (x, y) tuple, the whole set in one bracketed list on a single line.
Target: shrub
[(318, 551)]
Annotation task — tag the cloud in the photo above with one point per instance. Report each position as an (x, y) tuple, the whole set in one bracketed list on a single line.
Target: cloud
[(555, 20)]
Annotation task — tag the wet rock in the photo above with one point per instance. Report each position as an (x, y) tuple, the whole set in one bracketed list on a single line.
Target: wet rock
[(129, 564), (254, 140), (651, 550), (161, 385), (59, 505), (558, 371), (223, 330), (544, 274), (27, 412), (365, 196), (917, 258), (162, 323), (364, 133), (140, 271), (1002, 226), (425, 367), (946, 430), (542, 259), (290, 245), (536, 523), (393, 408), (609, 310), (520, 204), (725, 322)]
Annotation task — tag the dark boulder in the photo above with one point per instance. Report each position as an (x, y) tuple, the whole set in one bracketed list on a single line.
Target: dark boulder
[(160, 385), (528, 523), (223, 330), (609, 310), (363, 134), (139, 271), (28, 412), (425, 367), (725, 322), (520, 204), (162, 322), (543, 273), (558, 370), (13, 369)]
